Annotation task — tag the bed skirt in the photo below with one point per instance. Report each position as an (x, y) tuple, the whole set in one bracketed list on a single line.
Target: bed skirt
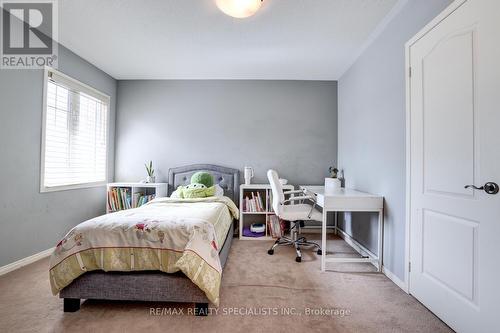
[(151, 286)]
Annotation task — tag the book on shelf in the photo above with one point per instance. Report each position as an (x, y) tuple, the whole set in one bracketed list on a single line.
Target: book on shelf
[(120, 198), (143, 199), (253, 203), (275, 226)]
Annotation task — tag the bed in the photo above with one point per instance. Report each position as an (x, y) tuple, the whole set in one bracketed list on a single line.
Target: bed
[(155, 285)]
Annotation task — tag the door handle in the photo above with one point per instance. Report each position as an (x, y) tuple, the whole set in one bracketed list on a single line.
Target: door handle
[(489, 187)]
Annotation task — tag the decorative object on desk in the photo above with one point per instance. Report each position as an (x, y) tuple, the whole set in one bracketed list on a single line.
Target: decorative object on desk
[(341, 178), (258, 227), (332, 183), (333, 172), (151, 172), (283, 181), (248, 174)]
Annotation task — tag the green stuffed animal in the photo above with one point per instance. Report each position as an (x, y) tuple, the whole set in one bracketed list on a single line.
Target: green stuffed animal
[(202, 177), (202, 186)]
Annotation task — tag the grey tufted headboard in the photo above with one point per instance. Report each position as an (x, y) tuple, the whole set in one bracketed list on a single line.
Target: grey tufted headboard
[(227, 178)]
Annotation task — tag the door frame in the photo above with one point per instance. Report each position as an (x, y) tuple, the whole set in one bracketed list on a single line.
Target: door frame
[(440, 17)]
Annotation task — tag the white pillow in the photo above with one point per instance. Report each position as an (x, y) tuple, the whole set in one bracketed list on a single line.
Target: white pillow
[(219, 191), (175, 194)]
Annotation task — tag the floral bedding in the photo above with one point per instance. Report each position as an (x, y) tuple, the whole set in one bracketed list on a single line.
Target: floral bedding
[(167, 234)]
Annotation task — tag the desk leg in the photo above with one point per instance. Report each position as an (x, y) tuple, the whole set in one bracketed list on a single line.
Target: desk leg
[(336, 223), (380, 252), (323, 240)]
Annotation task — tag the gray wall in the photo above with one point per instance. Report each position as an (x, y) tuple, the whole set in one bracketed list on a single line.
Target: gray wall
[(32, 221), (372, 129), (287, 125)]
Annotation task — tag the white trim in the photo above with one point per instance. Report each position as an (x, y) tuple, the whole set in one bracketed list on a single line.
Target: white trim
[(44, 189), (440, 17), (330, 229), (397, 281), (25, 261), (360, 248), (408, 169), (356, 245), (44, 122), (375, 33), (93, 92), (445, 13), (73, 83)]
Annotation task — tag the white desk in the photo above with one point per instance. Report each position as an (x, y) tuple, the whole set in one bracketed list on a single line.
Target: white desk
[(348, 200)]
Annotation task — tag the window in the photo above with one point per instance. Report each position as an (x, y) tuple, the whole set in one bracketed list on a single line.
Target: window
[(75, 134)]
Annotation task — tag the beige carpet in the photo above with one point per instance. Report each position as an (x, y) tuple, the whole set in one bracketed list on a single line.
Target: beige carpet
[(256, 291)]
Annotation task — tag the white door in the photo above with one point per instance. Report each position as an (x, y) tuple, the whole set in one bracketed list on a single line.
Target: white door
[(455, 141)]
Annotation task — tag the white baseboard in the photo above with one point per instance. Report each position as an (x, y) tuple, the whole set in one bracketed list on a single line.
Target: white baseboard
[(316, 230), (364, 251), (397, 281), (356, 245), (25, 261)]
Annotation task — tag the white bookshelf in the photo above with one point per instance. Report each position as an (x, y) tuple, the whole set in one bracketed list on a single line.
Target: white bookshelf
[(247, 218), (156, 189)]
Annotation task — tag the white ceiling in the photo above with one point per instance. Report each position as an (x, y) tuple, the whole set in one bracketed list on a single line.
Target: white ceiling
[(192, 39)]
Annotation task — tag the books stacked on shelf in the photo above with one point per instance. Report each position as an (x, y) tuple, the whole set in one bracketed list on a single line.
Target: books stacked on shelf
[(120, 198), (276, 226), (253, 203), (140, 199)]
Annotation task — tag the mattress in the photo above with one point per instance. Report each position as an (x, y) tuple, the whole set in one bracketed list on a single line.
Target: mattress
[(168, 235)]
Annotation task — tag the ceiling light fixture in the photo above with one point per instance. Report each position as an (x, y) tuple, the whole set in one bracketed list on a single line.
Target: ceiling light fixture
[(239, 8)]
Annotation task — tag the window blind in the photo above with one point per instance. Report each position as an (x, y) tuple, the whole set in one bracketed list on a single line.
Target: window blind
[(76, 131)]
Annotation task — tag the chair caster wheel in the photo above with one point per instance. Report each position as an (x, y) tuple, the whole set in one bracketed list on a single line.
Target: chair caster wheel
[(270, 252), (319, 252), (298, 259)]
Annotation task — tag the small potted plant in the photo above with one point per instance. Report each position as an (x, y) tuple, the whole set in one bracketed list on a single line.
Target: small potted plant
[(333, 172), (151, 172), (332, 183)]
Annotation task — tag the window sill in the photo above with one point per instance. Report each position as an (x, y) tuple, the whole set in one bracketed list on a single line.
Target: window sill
[(44, 189)]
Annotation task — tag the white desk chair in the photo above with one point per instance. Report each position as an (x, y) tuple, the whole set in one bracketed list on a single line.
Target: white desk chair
[(295, 213)]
